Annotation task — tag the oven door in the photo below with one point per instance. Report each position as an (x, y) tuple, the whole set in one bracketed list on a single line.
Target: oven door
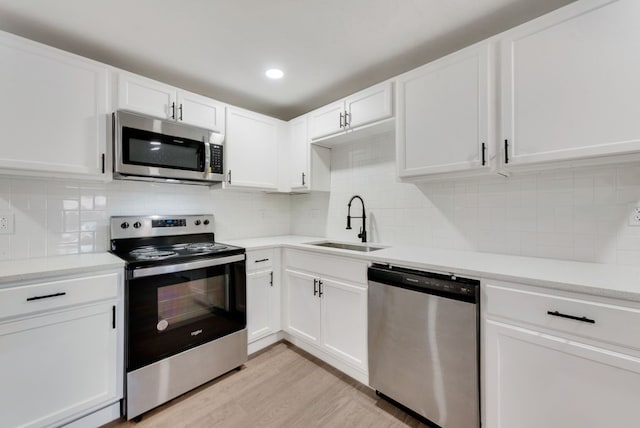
[(173, 308)]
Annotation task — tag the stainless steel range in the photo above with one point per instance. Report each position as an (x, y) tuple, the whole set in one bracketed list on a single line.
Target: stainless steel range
[(185, 303)]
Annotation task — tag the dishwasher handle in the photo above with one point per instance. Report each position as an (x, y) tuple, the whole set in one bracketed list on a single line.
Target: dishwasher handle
[(448, 286)]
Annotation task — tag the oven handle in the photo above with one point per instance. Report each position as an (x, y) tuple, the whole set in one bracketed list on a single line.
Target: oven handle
[(158, 270)]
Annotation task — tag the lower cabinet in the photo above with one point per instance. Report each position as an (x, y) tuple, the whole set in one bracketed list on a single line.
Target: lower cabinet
[(554, 371), (62, 363), (263, 297), (326, 311)]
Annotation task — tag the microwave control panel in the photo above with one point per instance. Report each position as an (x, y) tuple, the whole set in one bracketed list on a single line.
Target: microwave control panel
[(216, 159)]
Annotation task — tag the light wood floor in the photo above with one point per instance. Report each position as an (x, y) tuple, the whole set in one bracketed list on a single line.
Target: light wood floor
[(281, 386)]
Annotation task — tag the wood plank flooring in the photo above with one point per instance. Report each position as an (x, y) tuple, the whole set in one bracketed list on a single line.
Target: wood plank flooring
[(281, 386)]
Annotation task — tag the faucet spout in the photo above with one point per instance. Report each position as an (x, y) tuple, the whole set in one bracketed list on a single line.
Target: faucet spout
[(363, 230)]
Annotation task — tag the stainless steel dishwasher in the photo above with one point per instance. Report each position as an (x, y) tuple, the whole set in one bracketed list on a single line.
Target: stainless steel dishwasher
[(424, 343)]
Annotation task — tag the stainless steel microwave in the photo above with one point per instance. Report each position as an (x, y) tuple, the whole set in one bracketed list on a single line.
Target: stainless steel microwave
[(147, 148)]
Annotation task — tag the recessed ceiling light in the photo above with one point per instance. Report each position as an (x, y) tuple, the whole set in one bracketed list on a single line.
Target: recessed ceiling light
[(274, 73)]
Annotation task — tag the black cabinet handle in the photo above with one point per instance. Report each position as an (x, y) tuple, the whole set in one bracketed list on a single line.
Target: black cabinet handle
[(173, 110), (271, 281), (506, 151), (103, 159), (571, 317), (341, 116), (320, 293), (347, 119), (180, 111), (48, 296), (229, 180), (484, 149), (303, 178), (113, 316), (315, 286), (261, 260)]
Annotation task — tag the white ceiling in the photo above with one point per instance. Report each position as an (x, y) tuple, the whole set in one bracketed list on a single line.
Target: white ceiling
[(221, 48)]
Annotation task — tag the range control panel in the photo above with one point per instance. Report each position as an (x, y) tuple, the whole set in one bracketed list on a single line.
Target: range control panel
[(169, 222), (156, 225)]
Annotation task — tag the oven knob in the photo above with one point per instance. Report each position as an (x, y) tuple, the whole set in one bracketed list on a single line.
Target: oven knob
[(124, 225), (197, 222), (137, 225), (206, 222)]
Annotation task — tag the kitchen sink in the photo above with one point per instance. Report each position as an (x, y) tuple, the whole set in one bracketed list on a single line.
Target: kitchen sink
[(353, 247)]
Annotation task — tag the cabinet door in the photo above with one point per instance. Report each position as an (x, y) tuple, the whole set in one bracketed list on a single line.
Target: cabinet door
[(344, 321), (570, 85), (326, 120), (57, 365), (371, 105), (299, 154), (146, 96), (54, 109), (251, 149), (260, 304), (303, 306), (538, 380), (443, 115), (200, 111)]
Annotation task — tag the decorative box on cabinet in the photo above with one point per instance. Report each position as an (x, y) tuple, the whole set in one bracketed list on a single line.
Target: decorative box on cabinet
[(559, 359)]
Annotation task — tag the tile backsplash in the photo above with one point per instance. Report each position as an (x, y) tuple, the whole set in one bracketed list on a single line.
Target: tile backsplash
[(67, 217), (575, 214)]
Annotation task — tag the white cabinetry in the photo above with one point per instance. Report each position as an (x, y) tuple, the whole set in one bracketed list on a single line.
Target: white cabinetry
[(570, 85), (263, 294), (54, 111), (309, 165), (142, 95), (326, 307), (558, 359), (335, 122), (62, 349), (251, 149), (444, 113)]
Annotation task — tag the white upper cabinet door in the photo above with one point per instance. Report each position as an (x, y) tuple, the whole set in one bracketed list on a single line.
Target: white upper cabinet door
[(200, 111), (344, 321), (251, 148), (570, 84), (369, 106), (146, 96), (299, 154), (327, 120), (443, 119), (54, 109)]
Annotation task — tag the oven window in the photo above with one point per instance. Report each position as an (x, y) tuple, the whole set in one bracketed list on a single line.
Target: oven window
[(163, 151), (190, 301)]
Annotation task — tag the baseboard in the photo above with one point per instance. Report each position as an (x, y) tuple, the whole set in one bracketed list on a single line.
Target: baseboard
[(260, 344), (345, 368)]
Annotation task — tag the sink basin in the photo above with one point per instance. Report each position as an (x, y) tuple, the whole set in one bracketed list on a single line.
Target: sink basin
[(353, 247)]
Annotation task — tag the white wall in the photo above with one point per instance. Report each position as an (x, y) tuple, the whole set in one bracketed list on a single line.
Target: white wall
[(577, 214), (67, 217)]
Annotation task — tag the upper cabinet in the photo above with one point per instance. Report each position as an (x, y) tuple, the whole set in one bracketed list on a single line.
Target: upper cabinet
[(251, 149), (142, 95), (309, 166), (444, 115), (54, 111), (372, 106), (569, 84)]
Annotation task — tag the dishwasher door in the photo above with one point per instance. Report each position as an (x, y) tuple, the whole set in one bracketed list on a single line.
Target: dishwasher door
[(423, 344)]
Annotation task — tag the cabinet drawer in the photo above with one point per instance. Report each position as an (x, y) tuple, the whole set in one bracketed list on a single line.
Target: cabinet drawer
[(44, 296), (571, 314), (337, 267), (260, 259)]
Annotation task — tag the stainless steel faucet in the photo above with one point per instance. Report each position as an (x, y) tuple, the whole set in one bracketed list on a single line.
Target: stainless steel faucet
[(363, 230)]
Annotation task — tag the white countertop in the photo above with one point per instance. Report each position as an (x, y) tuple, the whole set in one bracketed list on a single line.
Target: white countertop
[(12, 271), (620, 282)]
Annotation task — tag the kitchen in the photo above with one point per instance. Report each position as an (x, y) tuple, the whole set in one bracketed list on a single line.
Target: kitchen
[(577, 206)]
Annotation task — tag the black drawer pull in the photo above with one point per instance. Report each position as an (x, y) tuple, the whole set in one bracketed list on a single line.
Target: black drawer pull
[(261, 260), (31, 299), (571, 317)]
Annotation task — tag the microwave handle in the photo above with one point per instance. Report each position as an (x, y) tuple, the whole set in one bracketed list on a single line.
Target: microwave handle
[(207, 158)]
